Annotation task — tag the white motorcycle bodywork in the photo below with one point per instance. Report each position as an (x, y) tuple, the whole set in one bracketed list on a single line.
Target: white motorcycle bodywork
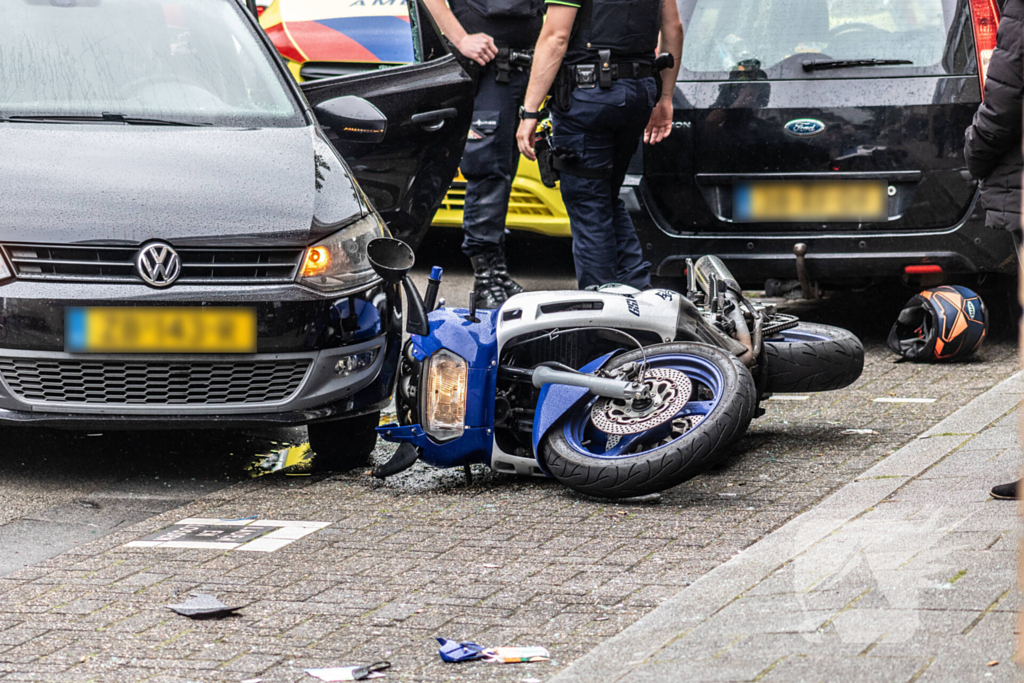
[(619, 307)]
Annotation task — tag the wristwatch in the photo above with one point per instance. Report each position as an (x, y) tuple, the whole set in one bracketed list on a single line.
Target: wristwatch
[(523, 114)]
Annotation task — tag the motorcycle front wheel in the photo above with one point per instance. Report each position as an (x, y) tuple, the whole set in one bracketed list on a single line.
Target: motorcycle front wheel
[(719, 406)]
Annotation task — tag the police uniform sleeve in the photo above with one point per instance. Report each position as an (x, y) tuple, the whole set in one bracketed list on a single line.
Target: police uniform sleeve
[(567, 3)]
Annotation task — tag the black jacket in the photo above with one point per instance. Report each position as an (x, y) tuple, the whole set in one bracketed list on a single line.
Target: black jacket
[(993, 142)]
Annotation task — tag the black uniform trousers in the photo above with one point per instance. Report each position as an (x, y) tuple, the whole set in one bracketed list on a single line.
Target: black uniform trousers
[(491, 159), (604, 128)]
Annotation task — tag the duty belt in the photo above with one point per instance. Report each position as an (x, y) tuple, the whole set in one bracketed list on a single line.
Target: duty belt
[(508, 59), (588, 76)]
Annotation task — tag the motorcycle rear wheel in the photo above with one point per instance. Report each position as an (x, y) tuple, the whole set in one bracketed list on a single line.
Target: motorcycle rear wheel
[(812, 357), (724, 398)]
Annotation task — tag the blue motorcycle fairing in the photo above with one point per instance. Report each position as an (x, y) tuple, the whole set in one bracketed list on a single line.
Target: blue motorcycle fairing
[(449, 329), (556, 400), (398, 434), (477, 343), (473, 447)]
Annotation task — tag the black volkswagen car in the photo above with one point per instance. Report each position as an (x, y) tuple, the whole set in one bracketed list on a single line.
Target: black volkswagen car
[(832, 124), (183, 236)]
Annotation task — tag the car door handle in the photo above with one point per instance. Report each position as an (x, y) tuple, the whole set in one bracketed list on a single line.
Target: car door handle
[(433, 120)]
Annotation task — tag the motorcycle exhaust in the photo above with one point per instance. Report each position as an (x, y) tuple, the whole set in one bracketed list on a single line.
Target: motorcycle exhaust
[(708, 272), (719, 284)]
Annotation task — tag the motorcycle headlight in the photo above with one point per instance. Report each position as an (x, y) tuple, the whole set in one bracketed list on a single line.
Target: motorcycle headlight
[(339, 261), (447, 382)]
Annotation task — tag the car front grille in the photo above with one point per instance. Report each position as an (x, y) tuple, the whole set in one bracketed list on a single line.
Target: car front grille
[(153, 383), (117, 264)]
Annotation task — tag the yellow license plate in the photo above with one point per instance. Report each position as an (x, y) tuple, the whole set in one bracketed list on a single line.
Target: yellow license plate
[(159, 330), (847, 201)]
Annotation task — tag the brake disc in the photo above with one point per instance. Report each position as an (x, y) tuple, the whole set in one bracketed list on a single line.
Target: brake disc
[(669, 391)]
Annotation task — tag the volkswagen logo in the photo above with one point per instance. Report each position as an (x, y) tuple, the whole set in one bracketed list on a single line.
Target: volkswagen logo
[(158, 264), (804, 127)]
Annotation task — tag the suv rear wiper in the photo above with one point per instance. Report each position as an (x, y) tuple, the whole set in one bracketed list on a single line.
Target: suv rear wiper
[(102, 118), (850, 63)]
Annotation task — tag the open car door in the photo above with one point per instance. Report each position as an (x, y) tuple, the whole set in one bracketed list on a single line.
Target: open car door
[(429, 107)]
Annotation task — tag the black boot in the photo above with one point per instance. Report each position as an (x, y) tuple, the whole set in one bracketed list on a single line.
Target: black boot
[(489, 292), (500, 269)]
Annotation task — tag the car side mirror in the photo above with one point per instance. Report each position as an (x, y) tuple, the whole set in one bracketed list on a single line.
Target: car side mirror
[(352, 119)]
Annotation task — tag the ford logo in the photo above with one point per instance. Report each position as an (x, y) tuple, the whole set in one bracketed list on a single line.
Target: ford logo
[(804, 127)]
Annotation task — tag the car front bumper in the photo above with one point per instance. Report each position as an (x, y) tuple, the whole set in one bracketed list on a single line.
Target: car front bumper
[(299, 373)]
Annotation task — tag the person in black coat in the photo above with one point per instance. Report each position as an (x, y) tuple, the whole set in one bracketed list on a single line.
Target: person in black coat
[(992, 145), (993, 141)]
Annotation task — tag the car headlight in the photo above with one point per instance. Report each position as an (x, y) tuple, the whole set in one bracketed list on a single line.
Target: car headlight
[(447, 381), (339, 261)]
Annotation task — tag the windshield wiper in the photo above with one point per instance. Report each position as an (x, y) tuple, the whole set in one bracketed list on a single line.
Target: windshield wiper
[(102, 118), (850, 63)]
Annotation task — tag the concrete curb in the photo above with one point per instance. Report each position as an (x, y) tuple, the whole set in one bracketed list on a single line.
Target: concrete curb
[(617, 657)]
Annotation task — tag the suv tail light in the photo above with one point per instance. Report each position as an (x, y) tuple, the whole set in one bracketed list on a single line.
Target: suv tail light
[(985, 19)]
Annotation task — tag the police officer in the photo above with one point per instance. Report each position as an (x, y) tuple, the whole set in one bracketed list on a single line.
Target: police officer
[(600, 56), (498, 35)]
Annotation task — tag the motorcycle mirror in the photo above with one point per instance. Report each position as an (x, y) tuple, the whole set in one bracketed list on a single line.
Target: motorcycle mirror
[(391, 259)]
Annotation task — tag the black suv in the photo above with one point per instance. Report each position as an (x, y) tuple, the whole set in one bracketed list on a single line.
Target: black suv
[(183, 240), (832, 124)]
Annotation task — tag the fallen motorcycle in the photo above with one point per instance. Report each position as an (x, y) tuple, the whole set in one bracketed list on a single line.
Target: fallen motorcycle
[(615, 392)]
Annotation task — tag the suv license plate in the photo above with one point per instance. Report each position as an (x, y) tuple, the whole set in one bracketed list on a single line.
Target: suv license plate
[(777, 201), (159, 330)]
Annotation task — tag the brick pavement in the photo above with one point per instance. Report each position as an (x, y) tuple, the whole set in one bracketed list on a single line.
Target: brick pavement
[(412, 559), (908, 573)]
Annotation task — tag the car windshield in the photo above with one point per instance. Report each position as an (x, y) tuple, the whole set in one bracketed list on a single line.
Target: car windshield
[(772, 39), (192, 61)]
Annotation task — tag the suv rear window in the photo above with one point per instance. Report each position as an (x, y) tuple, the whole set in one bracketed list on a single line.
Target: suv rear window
[(771, 39)]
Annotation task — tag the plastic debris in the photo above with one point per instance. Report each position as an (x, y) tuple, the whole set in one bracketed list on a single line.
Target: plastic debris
[(293, 461), (858, 431), (452, 651), (202, 606), (516, 655), (351, 673)]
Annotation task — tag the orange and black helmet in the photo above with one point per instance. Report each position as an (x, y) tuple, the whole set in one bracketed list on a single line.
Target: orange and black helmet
[(940, 324)]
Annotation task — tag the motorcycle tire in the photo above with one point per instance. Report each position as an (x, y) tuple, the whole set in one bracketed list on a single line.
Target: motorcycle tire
[(343, 445), (812, 357), (727, 400)]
